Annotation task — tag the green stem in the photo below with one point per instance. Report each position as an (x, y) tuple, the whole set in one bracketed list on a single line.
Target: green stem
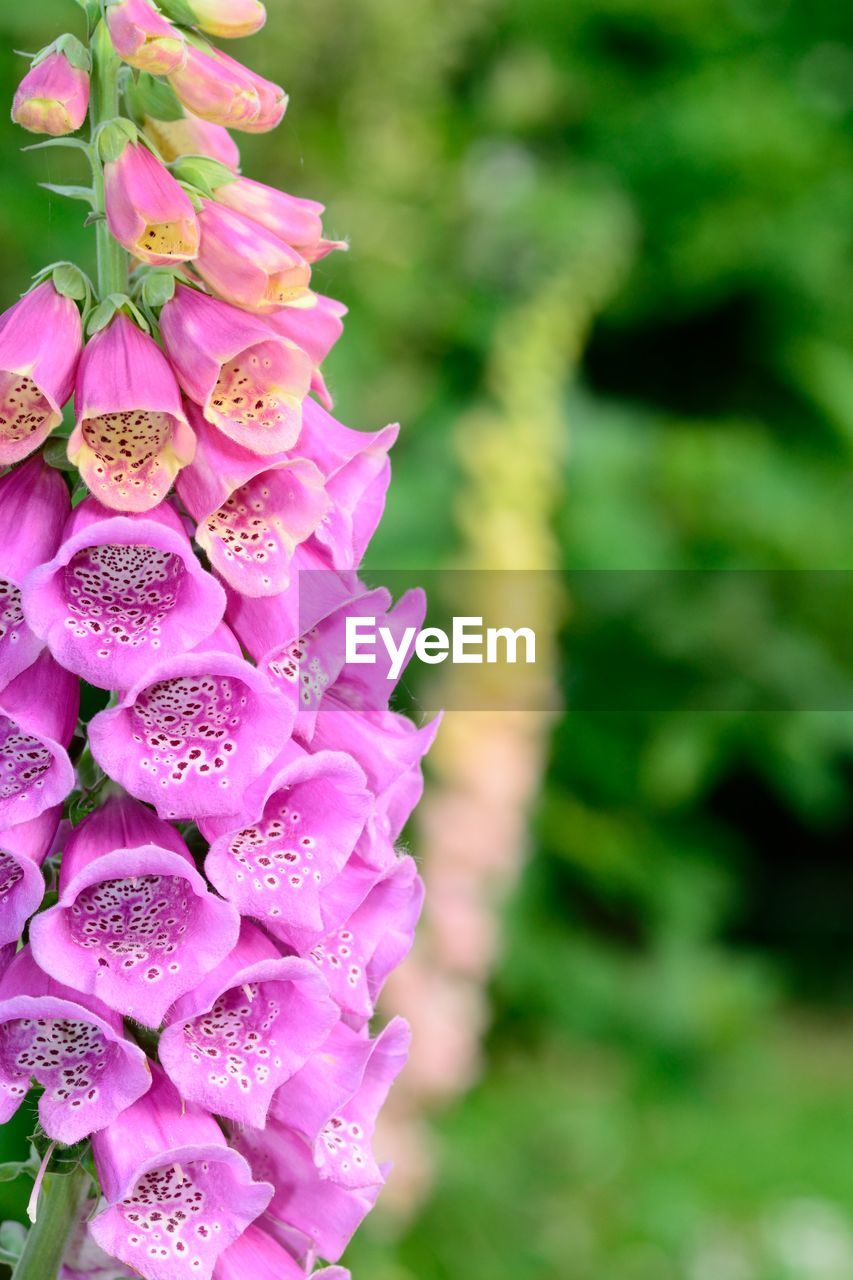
[(60, 1208), (106, 65)]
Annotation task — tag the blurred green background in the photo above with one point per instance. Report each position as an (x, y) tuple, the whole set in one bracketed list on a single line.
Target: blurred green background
[(667, 184)]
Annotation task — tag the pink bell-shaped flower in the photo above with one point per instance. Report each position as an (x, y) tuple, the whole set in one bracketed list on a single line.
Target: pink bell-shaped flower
[(248, 1027), (132, 436), (295, 220), (41, 338), (175, 1195), (143, 38), (315, 329), (148, 210), (252, 511), (122, 593), (71, 1045), (38, 716), (23, 850), (53, 96), (227, 19), (334, 1101), (135, 924), (34, 504), (217, 89), (192, 735), (191, 136), (248, 265), (249, 381), (257, 1255), (298, 829)]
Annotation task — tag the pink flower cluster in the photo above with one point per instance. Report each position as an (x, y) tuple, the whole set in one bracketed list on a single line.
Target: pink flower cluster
[(195, 996)]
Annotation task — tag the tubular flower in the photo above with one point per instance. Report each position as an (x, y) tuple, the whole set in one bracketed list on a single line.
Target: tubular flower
[(53, 96), (192, 735), (315, 329), (143, 38), (296, 221), (316, 1214), (247, 264), (257, 1255), (135, 924), (23, 849), (294, 839), (216, 89), (38, 714), (148, 210), (41, 338), (176, 1195), (249, 381), (34, 504), (72, 1046), (228, 19), (246, 1029), (334, 1101), (132, 436), (357, 472), (252, 511), (121, 593), (272, 98), (358, 957), (191, 136)]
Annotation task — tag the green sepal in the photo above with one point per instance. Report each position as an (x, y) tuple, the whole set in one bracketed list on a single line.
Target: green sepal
[(56, 456), (179, 11), (114, 136), (206, 175), (13, 1237), (76, 144), (72, 48), (154, 97), (71, 282), (158, 288)]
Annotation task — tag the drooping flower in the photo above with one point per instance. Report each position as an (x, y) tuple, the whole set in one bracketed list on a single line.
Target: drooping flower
[(132, 436), (248, 265), (72, 1046), (252, 511), (193, 735), (143, 38), (315, 329), (248, 1027), (228, 19), (53, 96), (176, 1195), (148, 210), (41, 338), (135, 924), (334, 1101), (121, 593), (249, 381), (272, 98), (38, 715), (191, 136), (295, 220), (357, 472), (23, 849), (258, 1256), (358, 957), (217, 90), (34, 504), (296, 833), (306, 1211)]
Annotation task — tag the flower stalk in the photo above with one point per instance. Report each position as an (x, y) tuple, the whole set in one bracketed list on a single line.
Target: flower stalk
[(60, 1206), (105, 105)]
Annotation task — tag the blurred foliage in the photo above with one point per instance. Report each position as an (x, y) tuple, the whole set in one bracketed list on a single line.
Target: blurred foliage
[(669, 1088)]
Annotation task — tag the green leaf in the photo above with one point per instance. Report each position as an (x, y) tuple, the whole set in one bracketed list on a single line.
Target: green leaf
[(152, 97), (114, 136), (73, 193), (14, 1169), (77, 144), (204, 174), (56, 456)]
